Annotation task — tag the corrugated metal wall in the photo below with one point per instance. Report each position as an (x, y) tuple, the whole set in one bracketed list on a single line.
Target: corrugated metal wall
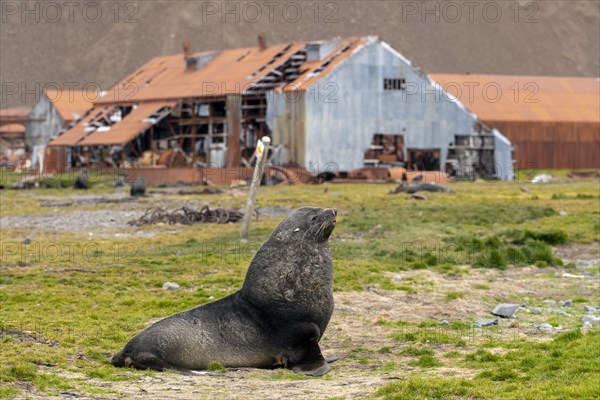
[(352, 105), (44, 123), (553, 145)]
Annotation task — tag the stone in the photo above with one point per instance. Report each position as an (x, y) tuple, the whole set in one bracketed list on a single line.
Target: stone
[(549, 301), (592, 319), (170, 286), (486, 322), (535, 310), (505, 310), (590, 309), (543, 327), (444, 322), (567, 303), (562, 212)]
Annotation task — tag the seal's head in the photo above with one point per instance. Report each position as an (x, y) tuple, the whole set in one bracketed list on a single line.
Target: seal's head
[(307, 223)]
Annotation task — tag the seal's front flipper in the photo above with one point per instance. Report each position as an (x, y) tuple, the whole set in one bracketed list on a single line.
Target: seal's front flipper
[(313, 363)]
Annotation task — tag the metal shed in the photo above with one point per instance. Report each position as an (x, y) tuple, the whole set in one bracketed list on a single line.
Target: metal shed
[(553, 122)]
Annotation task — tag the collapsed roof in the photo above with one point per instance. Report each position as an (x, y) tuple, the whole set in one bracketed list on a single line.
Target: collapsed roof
[(156, 86)]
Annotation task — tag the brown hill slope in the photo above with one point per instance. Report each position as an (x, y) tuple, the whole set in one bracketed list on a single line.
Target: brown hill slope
[(46, 43)]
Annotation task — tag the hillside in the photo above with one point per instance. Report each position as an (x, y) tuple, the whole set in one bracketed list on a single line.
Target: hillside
[(86, 44)]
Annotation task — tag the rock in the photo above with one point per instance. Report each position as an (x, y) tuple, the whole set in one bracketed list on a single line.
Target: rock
[(586, 326), (397, 277), (444, 322), (543, 327), (535, 310), (562, 212), (549, 301), (505, 310), (119, 183), (170, 286), (486, 322), (592, 319), (567, 303), (590, 309), (584, 263), (26, 241)]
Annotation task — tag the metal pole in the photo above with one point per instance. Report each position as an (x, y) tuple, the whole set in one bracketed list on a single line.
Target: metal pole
[(256, 178)]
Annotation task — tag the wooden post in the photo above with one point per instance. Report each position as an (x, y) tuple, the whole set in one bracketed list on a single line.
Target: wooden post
[(256, 178), (233, 104)]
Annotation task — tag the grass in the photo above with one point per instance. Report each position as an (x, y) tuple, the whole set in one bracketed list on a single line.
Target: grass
[(85, 304), (565, 368)]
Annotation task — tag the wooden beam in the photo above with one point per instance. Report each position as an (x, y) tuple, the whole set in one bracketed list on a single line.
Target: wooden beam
[(233, 105)]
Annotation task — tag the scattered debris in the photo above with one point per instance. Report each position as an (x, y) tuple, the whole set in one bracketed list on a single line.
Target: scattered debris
[(187, 216), (583, 174), (542, 179), (138, 188), (505, 310), (170, 286), (404, 187), (567, 275), (486, 322)]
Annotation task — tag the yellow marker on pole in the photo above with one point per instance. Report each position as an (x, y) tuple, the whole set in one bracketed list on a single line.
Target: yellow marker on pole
[(262, 148)]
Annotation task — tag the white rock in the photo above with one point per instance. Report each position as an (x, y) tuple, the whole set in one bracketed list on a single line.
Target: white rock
[(170, 286)]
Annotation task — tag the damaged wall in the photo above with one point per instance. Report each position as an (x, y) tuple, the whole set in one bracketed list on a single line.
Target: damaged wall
[(340, 127), (45, 123)]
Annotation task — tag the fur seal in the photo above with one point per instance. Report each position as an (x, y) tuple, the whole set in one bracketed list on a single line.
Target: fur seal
[(138, 188), (275, 320), (82, 181)]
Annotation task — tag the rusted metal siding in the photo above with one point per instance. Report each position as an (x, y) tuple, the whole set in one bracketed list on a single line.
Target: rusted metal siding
[(553, 145)]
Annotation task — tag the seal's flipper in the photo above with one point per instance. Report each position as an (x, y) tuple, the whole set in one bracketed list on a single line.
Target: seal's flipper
[(332, 359), (148, 360), (313, 363)]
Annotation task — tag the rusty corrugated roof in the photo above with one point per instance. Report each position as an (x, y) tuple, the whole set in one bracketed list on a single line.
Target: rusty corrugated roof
[(12, 129), (525, 98), (134, 123), (71, 104), (77, 132), (14, 114), (228, 72)]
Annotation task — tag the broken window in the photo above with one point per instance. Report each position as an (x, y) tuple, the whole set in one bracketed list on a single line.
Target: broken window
[(394, 84)]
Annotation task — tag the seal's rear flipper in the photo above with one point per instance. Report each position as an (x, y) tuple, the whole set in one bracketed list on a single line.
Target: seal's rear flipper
[(147, 360), (332, 359), (313, 363)]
